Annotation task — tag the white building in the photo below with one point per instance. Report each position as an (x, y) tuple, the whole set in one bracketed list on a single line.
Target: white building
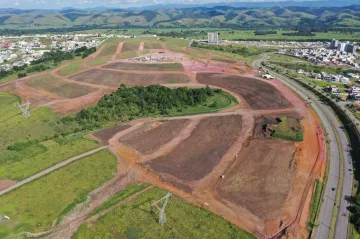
[(341, 47), (334, 44), (213, 37)]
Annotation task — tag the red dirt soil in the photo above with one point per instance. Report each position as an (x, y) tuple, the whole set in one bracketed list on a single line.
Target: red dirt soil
[(5, 183), (115, 79), (258, 94), (35, 96), (151, 137), (261, 177), (105, 134), (197, 155)]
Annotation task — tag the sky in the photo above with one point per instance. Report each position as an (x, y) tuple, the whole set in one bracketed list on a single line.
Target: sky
[(58, 4)]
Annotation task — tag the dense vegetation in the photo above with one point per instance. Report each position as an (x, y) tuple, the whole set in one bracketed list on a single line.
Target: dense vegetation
[(240, 50), (264, 32), (130, 103), (299, 33)]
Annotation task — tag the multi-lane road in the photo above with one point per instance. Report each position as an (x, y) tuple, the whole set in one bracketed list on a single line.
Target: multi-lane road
[(340, 174)]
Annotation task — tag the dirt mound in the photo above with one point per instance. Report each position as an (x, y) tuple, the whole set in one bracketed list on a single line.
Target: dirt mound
[(198, 155), (150, 138), (115, 79), (106, 134), (258, 94), (261, 178)]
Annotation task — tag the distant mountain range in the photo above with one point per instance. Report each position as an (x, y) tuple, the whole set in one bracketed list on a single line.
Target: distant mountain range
[(210, 16)]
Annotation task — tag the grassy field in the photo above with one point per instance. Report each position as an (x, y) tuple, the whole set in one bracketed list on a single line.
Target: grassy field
[(99, 61), (71, 68), (287, 59), (110, 46), (215, 103), (138, 219), (120, 196), (44, 123), (130, 46), (228, 34), (175, 44), (315, 203), (58, 86), (288, 129), (20, 164), (35, 206), (8, 106), (127, 54)]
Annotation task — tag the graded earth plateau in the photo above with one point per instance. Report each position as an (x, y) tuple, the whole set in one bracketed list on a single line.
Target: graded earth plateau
[(246, 163)]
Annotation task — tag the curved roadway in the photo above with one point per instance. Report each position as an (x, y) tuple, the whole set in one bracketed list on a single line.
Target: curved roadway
[(338, 145)]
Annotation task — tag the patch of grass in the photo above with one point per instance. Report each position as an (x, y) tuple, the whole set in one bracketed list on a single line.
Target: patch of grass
[(215, 103), (110, 47), (315, 203), (18, 165), (287, 59), (130, 46), (127, 54), (34, 206), (120, 196), (99, 61), (58, 86), (152, 45), (9, 78), (321, 83), (137, 219), (288, 129), (175, 44), (8, 106), (71, 68), (223, 59), (44, 123)]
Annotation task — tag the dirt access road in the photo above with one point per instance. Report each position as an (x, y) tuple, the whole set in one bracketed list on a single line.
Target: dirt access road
[(203, 187)]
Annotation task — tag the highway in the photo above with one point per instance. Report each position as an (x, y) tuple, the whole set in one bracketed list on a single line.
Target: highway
[(335, 133)]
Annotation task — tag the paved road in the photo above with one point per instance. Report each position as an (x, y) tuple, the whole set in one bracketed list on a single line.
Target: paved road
[(49, 170), (333, 128)]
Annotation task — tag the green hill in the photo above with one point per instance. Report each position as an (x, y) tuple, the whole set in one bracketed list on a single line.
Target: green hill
[(277, 17)]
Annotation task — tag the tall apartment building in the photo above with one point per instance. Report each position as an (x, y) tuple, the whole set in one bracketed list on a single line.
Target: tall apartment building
[(350, 48), (341, 46), (334, 44), (213, 37)]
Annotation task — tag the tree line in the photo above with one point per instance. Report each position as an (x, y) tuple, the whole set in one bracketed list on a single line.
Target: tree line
[(136, 102)]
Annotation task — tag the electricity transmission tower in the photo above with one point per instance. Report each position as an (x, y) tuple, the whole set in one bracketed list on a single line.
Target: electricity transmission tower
[(25, 109), (162, 217)]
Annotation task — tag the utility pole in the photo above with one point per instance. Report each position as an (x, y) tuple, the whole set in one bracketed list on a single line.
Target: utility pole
[(25, 109)]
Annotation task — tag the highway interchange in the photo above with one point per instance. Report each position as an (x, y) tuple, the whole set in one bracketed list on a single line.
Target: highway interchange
[(339, 165)]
